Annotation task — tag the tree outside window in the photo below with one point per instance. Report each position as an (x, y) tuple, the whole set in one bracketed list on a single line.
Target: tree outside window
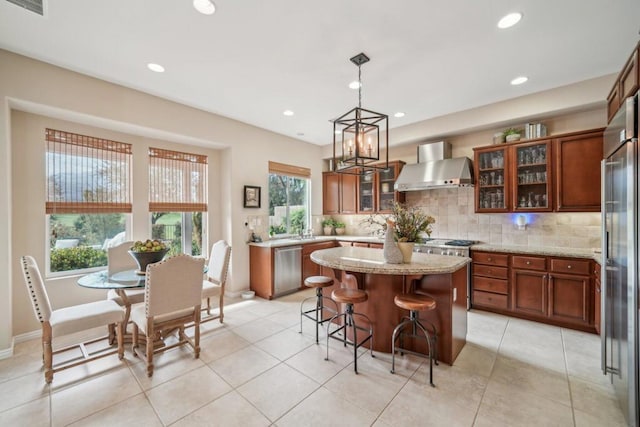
[(288, 204)]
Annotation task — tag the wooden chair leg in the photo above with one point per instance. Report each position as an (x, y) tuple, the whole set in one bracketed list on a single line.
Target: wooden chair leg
[(221, 305), (120, 338), (112, 333), (134, 339), (196, 339), (150, 335), (47, 352), (208, 306)]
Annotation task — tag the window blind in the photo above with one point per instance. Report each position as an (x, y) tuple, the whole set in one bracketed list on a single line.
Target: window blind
[(177, 181), (283, 169), (86, 174)]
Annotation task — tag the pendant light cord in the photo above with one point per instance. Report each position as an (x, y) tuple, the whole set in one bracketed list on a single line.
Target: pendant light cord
[(359, 86)]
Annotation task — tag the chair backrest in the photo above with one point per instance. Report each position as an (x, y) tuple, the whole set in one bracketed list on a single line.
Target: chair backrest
[(35, 286), (119, 258), (173, 284), (219, 262)]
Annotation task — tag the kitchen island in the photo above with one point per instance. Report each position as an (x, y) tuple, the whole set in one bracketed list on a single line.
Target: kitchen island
[(442, 277)]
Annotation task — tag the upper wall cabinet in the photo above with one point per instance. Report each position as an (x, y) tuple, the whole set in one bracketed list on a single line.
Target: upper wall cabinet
[(626, 84), (339, 193), (560, 174)]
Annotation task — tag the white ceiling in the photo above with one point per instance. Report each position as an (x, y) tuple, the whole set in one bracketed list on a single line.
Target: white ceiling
[(253, 59)]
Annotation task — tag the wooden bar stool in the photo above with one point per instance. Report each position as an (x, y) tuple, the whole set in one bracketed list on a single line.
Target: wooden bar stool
[(316, 313), (350, 297), (415, 303)]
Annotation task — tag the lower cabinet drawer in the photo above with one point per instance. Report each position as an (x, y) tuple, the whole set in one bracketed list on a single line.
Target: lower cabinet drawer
[(491, 271), (571, 266), (490, 300), (528, 262), (489, 284)]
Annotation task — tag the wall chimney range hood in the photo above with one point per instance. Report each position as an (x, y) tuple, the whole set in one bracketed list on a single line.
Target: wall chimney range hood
[(435, 169)]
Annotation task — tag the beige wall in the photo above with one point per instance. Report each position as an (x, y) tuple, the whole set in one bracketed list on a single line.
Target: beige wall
[(54, 93)]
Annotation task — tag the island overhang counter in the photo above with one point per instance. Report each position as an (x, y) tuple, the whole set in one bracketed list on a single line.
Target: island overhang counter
[(442, 277)]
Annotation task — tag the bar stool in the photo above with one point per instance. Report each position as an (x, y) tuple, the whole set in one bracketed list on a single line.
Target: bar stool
[(317, 282), (415, 303), (350, 297)]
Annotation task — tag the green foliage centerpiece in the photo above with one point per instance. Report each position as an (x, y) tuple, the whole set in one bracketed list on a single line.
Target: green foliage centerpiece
[(147, 252)]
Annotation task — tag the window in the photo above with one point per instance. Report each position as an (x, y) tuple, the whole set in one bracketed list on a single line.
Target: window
[(177, 199), (289, 201), (88, 199)]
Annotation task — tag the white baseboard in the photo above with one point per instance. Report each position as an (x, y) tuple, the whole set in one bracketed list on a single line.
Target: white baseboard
[(7, 352), (27, 336)]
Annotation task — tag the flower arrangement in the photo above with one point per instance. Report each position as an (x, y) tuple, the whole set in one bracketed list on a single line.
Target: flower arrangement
[(409, 222)]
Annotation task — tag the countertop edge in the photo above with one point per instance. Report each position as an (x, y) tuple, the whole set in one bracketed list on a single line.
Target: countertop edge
[(539, 250)]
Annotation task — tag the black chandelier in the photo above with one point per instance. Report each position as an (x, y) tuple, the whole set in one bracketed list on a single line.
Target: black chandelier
[(357, 135)]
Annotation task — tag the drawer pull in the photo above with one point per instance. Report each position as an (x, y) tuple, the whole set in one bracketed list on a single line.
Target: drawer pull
[(528, 262), (489, 259), (569, 266)]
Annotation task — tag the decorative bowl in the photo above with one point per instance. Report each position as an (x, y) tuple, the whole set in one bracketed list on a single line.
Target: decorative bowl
[(145, 258)]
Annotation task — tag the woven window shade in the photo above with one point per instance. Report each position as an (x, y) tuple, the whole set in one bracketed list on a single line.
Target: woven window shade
[(282, 169), (177, 181), (87, 174)]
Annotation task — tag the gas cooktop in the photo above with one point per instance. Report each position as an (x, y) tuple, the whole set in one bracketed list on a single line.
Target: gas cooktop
[(448, 242)]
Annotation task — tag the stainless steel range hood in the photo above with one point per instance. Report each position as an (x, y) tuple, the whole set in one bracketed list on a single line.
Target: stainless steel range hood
[(435, 169)]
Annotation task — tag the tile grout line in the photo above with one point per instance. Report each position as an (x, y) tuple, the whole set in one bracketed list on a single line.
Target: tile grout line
[(566, 371)]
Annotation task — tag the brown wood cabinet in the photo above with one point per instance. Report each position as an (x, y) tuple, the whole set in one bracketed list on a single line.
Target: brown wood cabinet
[(339, 193), (577, 158), (560, 173), (363, 194), (310, 268), (626, 84), (554, 290)]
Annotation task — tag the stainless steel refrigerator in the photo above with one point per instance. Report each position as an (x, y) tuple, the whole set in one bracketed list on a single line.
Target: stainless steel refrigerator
[(620, 228)]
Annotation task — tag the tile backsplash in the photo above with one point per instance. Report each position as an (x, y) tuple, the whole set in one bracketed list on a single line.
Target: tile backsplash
[(453, 209)]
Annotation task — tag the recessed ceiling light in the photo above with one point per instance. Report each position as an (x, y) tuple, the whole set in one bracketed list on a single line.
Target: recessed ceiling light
[(399, 114), (287, 113), (155, 67), (509, 20), (519, 80), (354, 85), (205, 7)]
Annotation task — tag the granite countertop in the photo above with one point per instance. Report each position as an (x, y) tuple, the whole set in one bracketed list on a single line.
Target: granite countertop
[(316, 239), (541, 250), (369, 260)]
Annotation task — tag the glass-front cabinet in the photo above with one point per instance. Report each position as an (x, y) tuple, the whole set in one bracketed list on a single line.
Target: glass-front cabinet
[(386, 194), (531, 174), (366, 196), (492, 180)]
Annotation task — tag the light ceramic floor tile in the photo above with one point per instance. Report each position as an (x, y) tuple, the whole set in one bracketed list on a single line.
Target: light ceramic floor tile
[(166, 366), (286, 318), (542, 382), (182, 395), (596, 400), (18, 391), (136, 411), (21, 364), (229, 410), (476, 359), (374, 377), (311, 362), (243, 365), (221, 345), (324, 408), (33, 414), (419, 404), (508, 405), (584, 419), (285, 344), (277, 391), (262, 308), (256, 331), (74, 403), (456, 385), (86, 371)]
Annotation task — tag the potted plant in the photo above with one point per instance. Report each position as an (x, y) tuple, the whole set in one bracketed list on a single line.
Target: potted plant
[(328, 226), (512, 134), (340, 228)]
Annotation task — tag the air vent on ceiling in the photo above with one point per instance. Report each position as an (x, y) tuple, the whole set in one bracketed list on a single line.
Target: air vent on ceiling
[(32, 5)]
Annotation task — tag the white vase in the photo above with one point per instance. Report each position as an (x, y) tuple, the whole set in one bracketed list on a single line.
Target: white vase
[(328, 231), (390, 250), (407, 251)]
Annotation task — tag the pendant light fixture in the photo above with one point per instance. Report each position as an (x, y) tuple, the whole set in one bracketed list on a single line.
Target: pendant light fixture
[(358, 135)]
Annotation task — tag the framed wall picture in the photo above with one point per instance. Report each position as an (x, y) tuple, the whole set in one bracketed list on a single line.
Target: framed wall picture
[(251, 196)]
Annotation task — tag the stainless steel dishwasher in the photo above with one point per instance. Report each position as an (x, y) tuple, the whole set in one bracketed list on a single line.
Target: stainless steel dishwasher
[(288, 270)]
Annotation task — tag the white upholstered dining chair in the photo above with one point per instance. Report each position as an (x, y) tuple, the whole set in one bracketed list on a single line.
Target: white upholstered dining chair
[(172, 300), (68, 320), (216, 279), (119, 259)]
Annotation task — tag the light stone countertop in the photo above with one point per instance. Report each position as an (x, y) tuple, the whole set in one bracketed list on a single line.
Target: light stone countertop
[(369, 260), (275, 243), (541, 250)]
